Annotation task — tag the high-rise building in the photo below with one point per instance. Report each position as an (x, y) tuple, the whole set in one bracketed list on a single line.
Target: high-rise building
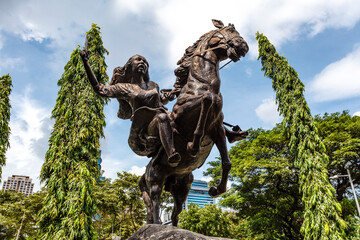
[(19, 183), (198, 195)]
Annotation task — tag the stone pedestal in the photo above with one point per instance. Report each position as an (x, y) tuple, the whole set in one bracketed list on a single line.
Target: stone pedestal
[(163, 232)]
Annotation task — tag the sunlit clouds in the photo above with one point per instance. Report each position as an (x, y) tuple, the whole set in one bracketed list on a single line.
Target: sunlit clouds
[(339, 80)]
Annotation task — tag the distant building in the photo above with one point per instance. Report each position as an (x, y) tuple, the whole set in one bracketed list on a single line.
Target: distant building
[(198, 195), (19, 183), (99, 161)]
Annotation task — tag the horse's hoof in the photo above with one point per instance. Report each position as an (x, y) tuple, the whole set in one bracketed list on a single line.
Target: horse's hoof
[(174, 159), (191, 149)]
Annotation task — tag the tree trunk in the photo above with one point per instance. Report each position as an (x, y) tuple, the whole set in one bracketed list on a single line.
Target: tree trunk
[(22, 221), (132, 217)]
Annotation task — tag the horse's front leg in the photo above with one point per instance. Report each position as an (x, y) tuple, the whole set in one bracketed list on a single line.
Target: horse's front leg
[(206, 102), (219, 139)]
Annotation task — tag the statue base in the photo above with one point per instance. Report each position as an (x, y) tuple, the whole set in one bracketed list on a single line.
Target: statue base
[(164, 232)]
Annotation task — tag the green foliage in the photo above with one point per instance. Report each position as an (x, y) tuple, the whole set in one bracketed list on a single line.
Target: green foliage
[(265, 186), (120, 208), (353, 228), (265, 179), (209, 221), (11, 212), (341, 135), (5, 90), (108, 207), (166, 202), (132, 215), (70, 166), (322, 212), (13, 207)]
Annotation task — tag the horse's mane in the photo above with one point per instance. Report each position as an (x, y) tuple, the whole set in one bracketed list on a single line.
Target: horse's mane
[(182, 72)]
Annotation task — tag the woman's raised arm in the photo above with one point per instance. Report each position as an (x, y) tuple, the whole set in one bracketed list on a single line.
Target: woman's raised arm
[(119, 90), (84, 54)]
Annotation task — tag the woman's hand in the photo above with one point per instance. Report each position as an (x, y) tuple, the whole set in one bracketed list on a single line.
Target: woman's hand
[(167, 94), (84, 54)]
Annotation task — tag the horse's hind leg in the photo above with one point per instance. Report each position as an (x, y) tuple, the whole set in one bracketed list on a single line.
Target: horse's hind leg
[(220, 140), (155, 192), (179, 191), (147, 200), (207, 101)]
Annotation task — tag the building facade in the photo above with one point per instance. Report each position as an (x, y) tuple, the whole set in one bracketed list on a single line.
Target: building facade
[(198, 195), (19, 183)]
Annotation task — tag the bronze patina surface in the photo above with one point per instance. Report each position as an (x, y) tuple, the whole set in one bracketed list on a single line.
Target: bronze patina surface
[(177, 142)]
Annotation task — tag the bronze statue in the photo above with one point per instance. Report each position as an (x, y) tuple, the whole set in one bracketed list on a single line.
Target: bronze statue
[(180, 141), (140, 100)]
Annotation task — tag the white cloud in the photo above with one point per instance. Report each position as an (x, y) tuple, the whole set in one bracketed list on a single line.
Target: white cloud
[(338, 80), (127, 27), (31, 32), (30, 129), (161, 30), (267, 111), (206, 179), (137, 170), (137, 6), (248, 71), (281, 21), (111, 166), (357, 113), (1, 42), (7, 64)]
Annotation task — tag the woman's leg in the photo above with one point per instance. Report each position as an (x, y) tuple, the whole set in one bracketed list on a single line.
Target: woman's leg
[(161, 125)]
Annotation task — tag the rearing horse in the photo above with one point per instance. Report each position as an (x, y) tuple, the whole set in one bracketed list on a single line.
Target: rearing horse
[(197, 119)]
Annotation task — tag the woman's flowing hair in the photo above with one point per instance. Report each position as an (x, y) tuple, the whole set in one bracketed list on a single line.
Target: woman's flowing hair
[(123, 75)]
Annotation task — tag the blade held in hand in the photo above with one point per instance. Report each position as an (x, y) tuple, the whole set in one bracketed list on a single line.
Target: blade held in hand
[(86, 42)]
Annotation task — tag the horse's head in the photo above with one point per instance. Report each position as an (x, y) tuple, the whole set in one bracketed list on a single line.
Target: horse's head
[(228, 40), (225, 42)]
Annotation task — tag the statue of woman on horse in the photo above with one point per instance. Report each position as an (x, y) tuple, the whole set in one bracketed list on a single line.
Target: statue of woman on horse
[(180, 141)]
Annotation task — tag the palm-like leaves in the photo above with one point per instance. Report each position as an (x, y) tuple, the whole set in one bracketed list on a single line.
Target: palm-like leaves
[(5, 90), (322, 212), (70, 166)]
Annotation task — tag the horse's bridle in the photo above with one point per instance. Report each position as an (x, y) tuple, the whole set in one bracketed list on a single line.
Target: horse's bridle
[(219, 46)]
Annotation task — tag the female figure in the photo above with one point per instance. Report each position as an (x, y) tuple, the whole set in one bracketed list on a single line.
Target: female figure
[(140, 100)]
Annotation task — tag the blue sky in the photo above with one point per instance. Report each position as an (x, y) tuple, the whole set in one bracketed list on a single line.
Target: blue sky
[(320, 38)]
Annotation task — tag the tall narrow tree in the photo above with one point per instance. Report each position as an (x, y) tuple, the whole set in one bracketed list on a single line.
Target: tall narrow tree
[(5, 90), (322, 212), (70, 166)]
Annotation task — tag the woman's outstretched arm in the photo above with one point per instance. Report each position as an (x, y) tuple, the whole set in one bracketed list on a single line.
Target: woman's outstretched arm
[(125, 91)]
